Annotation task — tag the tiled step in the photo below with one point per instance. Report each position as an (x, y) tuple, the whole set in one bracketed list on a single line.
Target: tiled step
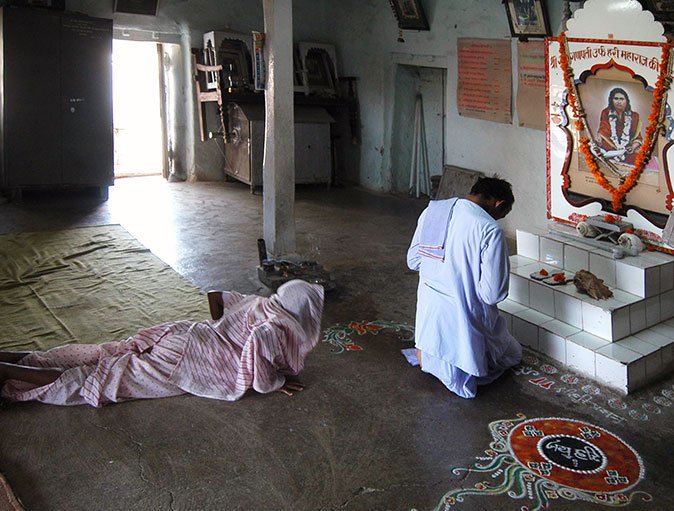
[(612, 319), (624, 365), (647, 275)]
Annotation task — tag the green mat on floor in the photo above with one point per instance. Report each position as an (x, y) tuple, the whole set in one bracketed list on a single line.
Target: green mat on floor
[(86, 285)]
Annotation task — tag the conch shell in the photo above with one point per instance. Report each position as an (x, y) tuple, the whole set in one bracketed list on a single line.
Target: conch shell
[(631, 243), (586, 230), (590, 284)]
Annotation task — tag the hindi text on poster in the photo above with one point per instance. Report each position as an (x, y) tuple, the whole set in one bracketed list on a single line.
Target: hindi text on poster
[(485, 81)]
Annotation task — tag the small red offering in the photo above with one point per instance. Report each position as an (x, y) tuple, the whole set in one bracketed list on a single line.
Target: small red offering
[(559, 277)]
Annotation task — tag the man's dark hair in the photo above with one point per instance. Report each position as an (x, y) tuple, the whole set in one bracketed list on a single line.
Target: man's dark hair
[(494, 188)]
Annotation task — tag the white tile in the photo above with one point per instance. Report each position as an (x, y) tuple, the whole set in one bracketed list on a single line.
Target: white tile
[(588, 340), (667, 305), (611, 372), (653, 365), (625, 297), (636, 374), (508, 318), (525, 332), (603, 268), (580, 358), (637, 316), (664, 329), (630, 278), (576, 259), (620, 319), (597, 321), (524, 270), (519, 289), (638, 345), (568, 309), (554, 346), (518, 260), (533, 316), (644, 260), (667, 357), (659, 258), (541, 298), (560, 328), (619, 353), (652, 337), (527, 245), (652, 284), (511, 306), (552, 252), (666, 277), (652, 310)]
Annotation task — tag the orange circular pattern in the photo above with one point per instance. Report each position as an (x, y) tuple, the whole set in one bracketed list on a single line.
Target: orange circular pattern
[(575, 454)]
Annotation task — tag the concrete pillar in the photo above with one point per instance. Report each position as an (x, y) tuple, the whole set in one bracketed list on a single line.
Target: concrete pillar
[(278, 174)]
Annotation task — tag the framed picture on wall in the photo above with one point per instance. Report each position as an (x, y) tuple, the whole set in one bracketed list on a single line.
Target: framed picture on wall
[(527, 18), (410, 14)]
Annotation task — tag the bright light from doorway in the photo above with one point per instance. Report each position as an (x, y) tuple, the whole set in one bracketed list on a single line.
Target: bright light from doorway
[(136, 112)]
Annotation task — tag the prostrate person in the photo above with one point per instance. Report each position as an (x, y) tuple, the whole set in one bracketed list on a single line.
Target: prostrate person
[(251, 342)]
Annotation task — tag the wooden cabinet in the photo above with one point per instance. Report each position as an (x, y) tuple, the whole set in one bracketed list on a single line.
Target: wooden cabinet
[(55, 100)]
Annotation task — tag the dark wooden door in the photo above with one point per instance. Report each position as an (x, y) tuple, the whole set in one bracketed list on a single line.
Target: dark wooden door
[(86, 100), (31, 127)]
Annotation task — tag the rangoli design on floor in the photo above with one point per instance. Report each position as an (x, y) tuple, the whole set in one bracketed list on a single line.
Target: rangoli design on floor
[(341, 336), (550, 458), (581, 391)]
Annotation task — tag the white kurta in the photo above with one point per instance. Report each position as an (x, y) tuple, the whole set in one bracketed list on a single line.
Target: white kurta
[(463, 339)]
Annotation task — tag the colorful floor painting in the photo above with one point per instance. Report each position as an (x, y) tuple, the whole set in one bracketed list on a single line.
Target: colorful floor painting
[(342, 336), (544, 459), (657, 401), (545, 375)]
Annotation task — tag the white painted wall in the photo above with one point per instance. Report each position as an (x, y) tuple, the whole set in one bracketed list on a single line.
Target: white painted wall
[(366, 35)]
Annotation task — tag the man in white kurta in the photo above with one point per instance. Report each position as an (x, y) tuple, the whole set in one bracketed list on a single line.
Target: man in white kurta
[(461, 255)]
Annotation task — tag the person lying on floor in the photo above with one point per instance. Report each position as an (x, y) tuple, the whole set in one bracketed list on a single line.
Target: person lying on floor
[(251, 341)]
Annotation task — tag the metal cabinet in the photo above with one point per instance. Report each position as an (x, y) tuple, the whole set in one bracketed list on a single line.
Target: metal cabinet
[(55, 100), (244, 150)]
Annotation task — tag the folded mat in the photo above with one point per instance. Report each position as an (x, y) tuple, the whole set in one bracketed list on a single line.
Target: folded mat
[(86, 285)]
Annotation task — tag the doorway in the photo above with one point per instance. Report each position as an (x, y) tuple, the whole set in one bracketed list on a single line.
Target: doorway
[(136, 99), (429, 82)]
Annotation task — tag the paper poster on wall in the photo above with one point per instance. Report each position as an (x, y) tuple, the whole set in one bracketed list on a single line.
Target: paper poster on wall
[(531, 84), (484, 88)]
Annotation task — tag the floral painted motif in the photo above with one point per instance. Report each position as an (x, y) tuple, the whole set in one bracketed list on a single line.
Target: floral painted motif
[(341, 336), (551, 458)]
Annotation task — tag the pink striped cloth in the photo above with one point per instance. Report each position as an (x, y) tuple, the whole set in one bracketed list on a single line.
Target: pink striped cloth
[(255, 344)]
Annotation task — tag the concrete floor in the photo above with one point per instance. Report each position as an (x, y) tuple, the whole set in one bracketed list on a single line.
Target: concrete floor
[(369, 432)]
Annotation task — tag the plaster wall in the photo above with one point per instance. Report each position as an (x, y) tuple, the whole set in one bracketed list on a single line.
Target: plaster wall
[(366, 35)]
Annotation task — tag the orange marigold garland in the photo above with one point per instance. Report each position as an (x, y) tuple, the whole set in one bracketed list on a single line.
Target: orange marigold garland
[(654, 125)]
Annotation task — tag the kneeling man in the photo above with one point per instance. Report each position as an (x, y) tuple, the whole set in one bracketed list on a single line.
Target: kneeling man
[(461, 254)]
